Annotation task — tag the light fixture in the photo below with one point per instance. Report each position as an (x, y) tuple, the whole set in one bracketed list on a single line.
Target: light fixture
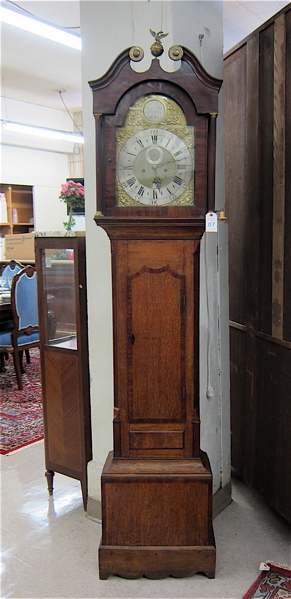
[(44, 132), (41, 28)]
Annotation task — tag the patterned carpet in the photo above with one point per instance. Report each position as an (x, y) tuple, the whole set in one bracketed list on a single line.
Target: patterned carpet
[(274, 583), (21, 411)]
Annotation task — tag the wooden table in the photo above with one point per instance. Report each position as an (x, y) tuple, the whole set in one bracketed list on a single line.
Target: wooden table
[(5, 309)]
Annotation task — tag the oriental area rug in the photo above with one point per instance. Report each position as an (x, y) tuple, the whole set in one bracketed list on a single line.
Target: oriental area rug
[(21, 411), (273, 583)]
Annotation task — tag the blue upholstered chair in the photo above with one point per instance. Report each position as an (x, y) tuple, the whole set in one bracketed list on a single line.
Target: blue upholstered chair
[(25, 334), (8, 273)]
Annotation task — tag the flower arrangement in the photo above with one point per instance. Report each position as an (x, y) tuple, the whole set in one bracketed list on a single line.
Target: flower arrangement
[(73, 195)]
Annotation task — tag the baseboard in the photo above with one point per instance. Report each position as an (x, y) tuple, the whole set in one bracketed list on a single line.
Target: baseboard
[(94, 509), (221, 499)]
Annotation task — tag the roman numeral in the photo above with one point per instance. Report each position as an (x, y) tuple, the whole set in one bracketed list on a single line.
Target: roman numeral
[(140, 143), (140, 191), (154, 139), (131, 181), (177, 180)]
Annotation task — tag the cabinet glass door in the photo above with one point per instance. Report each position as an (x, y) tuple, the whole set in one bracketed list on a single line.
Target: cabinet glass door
[(59, 300)]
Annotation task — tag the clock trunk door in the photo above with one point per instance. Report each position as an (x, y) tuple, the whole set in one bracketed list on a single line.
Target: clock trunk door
[(155, 365), (156, 361)]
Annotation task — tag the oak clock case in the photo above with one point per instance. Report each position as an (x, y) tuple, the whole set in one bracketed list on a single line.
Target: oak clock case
[(155, 166)]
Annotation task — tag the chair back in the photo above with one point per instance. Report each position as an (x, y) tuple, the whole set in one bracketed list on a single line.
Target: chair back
[(24, 335), (24, 300), (9, 271)]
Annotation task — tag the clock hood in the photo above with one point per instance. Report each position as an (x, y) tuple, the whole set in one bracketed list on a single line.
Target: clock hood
[(120, 77)]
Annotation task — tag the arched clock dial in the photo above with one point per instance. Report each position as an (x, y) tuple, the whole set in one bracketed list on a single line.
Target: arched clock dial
[(155, 166), (155, 155)]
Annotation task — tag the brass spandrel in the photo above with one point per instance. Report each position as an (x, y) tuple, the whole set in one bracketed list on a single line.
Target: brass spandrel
[(173, 114)]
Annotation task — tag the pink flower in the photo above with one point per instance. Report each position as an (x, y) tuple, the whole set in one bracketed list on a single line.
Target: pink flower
[(72, 193)]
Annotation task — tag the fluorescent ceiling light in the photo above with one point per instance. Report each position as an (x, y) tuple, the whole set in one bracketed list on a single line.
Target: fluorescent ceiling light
[(43, 132), (41, 28)]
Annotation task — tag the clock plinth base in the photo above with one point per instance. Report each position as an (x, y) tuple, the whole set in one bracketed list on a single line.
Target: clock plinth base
[(156, 562), (156, 518)]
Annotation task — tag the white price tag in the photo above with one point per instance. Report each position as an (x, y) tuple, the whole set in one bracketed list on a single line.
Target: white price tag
[(211, 222)]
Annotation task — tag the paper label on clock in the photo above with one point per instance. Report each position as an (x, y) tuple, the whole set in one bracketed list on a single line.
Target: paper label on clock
[(211, 222)]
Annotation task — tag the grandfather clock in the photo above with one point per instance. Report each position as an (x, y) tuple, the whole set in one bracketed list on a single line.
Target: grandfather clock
[(155, 161)]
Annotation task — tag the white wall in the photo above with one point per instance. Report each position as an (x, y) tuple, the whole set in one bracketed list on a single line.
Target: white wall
[(107, 29), (45, 171), (42, 163)]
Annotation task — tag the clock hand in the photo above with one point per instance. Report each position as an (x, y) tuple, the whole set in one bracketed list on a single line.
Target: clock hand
[(157, 183)]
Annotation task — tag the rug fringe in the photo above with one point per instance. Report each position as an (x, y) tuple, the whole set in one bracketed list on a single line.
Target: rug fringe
[(9, 452)]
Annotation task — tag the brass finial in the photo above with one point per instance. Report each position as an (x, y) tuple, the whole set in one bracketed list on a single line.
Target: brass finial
[(175, 52), (222, 215), (157, 47), (136, 53)]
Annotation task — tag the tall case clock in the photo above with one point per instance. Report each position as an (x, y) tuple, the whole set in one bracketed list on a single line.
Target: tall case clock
[(155, 162)]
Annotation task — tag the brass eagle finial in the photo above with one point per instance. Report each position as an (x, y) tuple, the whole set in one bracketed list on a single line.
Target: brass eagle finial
[(157, 47)]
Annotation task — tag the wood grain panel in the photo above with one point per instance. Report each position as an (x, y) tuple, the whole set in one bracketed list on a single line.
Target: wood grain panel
[(235, 117), (63, 410), (168, 525), (260, 249), (157, 346), (251, 238), (279, 177), (156, 439), (251, 199), (157, 562), (238, 398), (287, 236), (265, 176), (271, 468)]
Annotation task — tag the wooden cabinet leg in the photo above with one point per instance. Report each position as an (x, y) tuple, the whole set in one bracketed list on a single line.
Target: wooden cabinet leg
[(17, 359), (50, 476)]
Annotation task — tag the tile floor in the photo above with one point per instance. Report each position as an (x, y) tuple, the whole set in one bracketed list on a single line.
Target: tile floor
[(49, 546)]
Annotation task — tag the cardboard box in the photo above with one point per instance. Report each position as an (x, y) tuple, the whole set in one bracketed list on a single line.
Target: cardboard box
[(19, 247)]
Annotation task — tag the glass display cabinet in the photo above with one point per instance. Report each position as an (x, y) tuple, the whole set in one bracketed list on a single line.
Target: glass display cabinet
[(62, 297)]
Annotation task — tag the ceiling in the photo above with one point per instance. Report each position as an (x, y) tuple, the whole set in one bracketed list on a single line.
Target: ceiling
[(35, 70)]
